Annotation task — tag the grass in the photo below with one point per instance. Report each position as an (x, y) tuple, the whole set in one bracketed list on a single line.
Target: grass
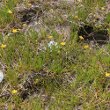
[(63, 77)]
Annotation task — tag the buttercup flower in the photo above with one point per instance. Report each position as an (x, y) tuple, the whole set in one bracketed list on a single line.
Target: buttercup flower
[(15, 30), (62, 43), (24, 25), (76, 17), (10, 12), (50, 37), (36, 81), (29, 4), (86, 46), (3, 46), (81, 37), (14, 91), (79, 0), (102, 8), (107, 74)]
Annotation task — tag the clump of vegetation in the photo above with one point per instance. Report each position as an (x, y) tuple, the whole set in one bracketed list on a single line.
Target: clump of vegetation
[(47, 59)]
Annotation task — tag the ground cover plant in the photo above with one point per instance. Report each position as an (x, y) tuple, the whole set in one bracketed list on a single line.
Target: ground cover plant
[(54, 55)]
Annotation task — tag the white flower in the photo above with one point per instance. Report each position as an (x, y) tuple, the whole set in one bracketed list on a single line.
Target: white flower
[(52, 43), (1, 76)]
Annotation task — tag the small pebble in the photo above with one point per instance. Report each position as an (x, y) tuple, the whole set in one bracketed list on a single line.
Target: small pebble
[(1, 76)]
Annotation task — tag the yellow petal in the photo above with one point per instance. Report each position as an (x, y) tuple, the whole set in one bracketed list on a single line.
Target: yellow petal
[(29, 4), (63, 43), (107, 74), (50, 37), (14, 91), (86, 46), (24, 25), (36, 81), (15, 30), (81, 37), (102, 8), (10, 12), (3, 46), (76, 17), (79, 0)]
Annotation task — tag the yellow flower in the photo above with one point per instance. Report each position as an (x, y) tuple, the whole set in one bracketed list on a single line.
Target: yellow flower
[(86, 46), (36, 81), (79, 0), (62, 43), (29, 4), (24, 25), (76, 17), (3, 46), (102, 8), (50, 37), (10, 12), (15, 30), (81, 37), (14, 91), (107, 74)]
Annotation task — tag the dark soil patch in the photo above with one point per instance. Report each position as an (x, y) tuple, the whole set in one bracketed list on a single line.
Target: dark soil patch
[(27, 15), (89, 34), (36, 82)]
